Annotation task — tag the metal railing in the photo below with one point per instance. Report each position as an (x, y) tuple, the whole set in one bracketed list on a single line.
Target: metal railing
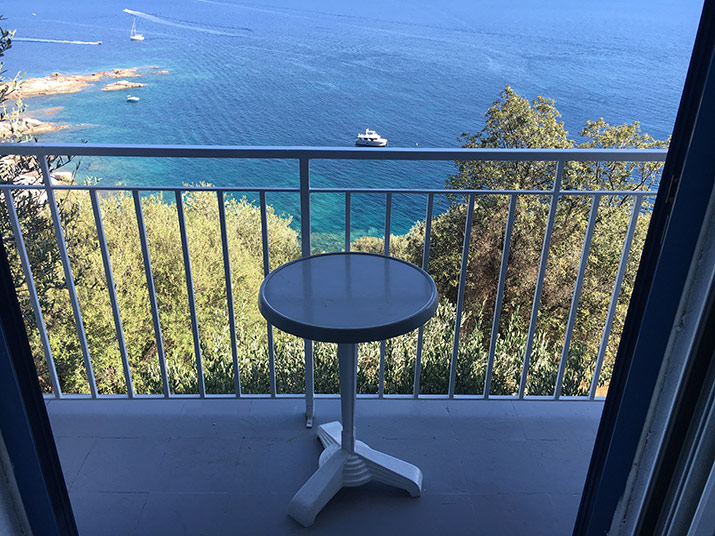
[(304, 155)]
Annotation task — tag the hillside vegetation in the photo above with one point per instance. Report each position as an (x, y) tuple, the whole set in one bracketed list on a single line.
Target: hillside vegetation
[(511, 122)]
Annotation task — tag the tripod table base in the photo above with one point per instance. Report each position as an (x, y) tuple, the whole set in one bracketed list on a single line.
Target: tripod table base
[(340, 468)]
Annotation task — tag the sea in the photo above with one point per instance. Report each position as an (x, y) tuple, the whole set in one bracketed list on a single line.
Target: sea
[(316, 72)]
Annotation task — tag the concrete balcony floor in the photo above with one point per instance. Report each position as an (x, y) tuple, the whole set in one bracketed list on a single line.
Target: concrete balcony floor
[(226, 466)]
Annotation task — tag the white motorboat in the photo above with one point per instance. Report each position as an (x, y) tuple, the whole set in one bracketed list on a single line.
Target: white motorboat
[(133, 35), (132, 98), (370, 138)]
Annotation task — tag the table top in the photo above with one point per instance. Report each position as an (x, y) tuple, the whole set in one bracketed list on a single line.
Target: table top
[(348, 297)]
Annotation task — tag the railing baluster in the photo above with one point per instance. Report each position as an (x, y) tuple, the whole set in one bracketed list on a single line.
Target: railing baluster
[(540, 277), (622, 265), (347, 221), (460, 294), (229, 292), (112, 292), (32, 290), (69, 279), (305, 207), (388, 222), (304, 155), (425, 266), (305, 251), (190, 291), (576, 296), (386, 252), (152, 294), (500, 294), (266, 271)]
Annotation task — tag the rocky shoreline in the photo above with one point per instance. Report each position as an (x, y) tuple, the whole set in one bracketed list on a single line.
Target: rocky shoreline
[(122, 84), (58, 83), (29, 127)]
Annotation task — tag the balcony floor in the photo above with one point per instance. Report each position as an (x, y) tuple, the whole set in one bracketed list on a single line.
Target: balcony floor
[(225, 466)]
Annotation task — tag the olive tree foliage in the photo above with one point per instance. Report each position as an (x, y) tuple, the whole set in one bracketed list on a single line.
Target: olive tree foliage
[(33, 215), (515, 122), (205, 249), (512, 122), (5, 44)]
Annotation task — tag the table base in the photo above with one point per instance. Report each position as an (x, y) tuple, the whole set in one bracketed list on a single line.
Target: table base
[(341, 468)]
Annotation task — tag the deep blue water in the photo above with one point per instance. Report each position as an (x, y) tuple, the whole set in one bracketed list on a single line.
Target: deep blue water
[(316, 72)]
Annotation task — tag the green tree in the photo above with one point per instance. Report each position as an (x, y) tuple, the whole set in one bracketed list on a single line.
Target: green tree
[(511, 122), (515, 122), (205, 248), (33, 216)]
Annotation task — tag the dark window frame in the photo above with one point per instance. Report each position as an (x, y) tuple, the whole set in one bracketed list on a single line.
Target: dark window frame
[(25, 425), (678, 216)]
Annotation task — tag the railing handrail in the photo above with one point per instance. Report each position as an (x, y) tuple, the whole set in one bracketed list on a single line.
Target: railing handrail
[(259, 189), (332, 153), (303, 156)]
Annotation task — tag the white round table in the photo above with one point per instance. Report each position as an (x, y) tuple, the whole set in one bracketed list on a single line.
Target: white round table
[(348, 298)]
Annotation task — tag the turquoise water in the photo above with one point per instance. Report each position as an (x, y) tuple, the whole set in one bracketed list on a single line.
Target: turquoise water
[(316, 72)]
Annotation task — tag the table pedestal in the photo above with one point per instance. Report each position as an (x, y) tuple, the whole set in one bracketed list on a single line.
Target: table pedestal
[(346, 462)]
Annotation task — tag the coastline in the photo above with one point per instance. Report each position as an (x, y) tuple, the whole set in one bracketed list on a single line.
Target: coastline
[(29, 126), (58, 83)]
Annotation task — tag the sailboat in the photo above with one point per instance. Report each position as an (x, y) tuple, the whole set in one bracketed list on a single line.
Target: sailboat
[(134, 36)]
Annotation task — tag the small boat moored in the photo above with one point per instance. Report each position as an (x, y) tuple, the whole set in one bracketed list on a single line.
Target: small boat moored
[(133, 35), (132, 98), (370, 138)]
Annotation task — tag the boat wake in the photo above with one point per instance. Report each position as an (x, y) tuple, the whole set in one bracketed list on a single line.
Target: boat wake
[(61, 41), (160, 20)]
